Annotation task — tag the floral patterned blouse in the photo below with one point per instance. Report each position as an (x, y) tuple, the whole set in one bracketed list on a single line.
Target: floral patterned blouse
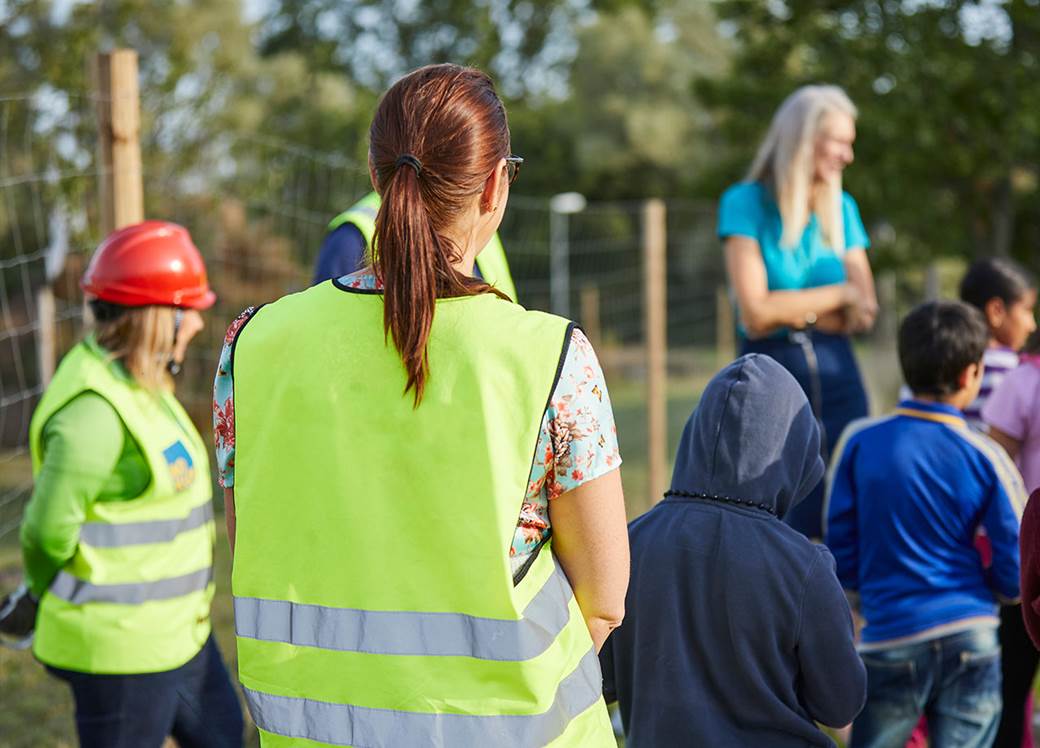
[(577, 440)]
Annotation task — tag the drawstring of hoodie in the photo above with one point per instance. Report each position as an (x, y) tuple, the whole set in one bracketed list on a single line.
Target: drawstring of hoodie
[(724, 499)]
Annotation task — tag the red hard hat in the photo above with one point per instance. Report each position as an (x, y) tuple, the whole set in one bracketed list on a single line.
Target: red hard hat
[(152, 262)]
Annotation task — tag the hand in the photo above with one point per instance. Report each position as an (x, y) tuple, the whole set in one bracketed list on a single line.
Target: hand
[(860, 310), (18, 614), (861, 317)]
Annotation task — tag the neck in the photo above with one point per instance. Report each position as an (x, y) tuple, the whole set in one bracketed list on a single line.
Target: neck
[(465, 265), (466, 242), (959, 400)]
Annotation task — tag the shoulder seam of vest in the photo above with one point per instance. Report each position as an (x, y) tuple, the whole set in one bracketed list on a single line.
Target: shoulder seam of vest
[(238, 334), (564, 349)]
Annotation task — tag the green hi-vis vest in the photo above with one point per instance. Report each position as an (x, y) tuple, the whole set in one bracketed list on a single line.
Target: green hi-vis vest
[(135, 597), (374, 600), (494, 267)]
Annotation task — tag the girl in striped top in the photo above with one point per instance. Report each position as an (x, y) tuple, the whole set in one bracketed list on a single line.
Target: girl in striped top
[(1006, 295)]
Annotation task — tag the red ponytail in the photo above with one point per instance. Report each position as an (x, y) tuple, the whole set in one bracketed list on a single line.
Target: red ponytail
[(437, 135)]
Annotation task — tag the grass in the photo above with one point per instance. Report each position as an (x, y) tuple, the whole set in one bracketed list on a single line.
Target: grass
[(37, 708)]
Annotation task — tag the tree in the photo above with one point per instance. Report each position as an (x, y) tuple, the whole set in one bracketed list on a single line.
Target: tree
[(523, 43), (949, 99), (638, 127)]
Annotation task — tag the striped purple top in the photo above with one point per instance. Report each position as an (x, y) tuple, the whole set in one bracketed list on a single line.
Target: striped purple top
[(999, 361)]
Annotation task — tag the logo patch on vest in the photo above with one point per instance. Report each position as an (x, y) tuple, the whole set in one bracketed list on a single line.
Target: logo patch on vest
[(182, 469)]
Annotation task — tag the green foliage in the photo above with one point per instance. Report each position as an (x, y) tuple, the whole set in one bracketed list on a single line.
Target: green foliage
[(949, 95), (523, 43), (637, 127)]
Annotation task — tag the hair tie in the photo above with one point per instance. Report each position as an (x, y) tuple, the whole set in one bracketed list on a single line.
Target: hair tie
[(411, 161)]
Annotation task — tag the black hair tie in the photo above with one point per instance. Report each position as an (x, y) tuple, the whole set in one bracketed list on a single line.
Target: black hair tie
[(411, 161)]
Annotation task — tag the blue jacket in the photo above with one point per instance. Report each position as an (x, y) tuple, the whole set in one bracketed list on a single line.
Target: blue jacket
[(342, 253), (736, 630), (905, 500)]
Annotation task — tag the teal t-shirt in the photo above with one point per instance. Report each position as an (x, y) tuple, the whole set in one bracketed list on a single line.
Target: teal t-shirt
[(748, 209)]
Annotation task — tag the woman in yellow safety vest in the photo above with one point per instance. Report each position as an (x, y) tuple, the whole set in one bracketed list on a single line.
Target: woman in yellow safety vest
[(118, 535), (421, 476)]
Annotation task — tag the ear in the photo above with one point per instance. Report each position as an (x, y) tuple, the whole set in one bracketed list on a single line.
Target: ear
[(968, 375), (491, 195), (995, 312)]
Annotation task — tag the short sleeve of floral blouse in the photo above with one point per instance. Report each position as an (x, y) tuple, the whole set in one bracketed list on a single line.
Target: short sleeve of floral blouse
[(577, 439)]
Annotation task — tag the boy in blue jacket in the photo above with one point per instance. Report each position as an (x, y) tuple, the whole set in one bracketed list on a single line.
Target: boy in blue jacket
[(906, 498), (736, 630)]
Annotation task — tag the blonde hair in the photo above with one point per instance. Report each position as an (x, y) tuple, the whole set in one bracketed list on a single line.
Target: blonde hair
[(785, 162), (141, 338)]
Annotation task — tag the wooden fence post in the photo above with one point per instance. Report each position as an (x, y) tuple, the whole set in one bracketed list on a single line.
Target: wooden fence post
[(655, 304), (725, 329), (932, 282), (46, 354), (119, 144), (589, 298)]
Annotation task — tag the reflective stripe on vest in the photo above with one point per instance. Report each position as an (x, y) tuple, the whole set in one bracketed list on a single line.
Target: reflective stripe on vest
[(410, 633), (347, 724), (370, 211), (80, 592), (105, 535)]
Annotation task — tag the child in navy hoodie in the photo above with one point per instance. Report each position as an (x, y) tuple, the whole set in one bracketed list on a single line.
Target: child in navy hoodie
[(736, 631)]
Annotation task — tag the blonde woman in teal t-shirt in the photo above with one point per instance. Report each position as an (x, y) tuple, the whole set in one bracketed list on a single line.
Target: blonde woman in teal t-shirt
[(796, 256)]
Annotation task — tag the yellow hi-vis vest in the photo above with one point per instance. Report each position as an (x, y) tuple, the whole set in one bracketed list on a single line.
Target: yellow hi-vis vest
[(374, 600), (135, 597), (494, 267)]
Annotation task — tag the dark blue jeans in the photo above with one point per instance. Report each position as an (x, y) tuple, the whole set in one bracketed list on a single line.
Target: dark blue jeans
[(835, 390), (954, 681), (195, 703)]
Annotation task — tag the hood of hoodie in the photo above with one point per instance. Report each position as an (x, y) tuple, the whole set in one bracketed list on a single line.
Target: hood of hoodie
[(753, 436)]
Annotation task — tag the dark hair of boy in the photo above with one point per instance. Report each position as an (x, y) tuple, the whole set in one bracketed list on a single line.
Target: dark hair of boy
[(993, 278), (937, 341)]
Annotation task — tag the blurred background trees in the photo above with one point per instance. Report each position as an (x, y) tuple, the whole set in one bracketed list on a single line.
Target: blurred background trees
[(619, 99)]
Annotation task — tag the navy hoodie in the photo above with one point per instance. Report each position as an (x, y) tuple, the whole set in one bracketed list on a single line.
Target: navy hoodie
[(736, 632)]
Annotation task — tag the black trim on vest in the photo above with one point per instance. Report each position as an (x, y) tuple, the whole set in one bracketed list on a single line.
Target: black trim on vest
[(378, 292), (234, 342), (571, 327), (348, 289)]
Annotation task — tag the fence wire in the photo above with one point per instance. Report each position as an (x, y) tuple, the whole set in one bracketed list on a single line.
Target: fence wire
[(258, 208)]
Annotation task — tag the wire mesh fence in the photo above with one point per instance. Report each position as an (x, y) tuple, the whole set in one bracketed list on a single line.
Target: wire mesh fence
[(48, 216), (258, 208)]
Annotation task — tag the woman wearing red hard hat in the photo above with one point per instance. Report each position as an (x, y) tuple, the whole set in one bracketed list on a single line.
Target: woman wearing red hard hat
[(118, 536)]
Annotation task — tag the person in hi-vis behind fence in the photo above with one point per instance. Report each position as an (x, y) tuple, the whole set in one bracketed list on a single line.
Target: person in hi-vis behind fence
[(344, 250), (118, 535)]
